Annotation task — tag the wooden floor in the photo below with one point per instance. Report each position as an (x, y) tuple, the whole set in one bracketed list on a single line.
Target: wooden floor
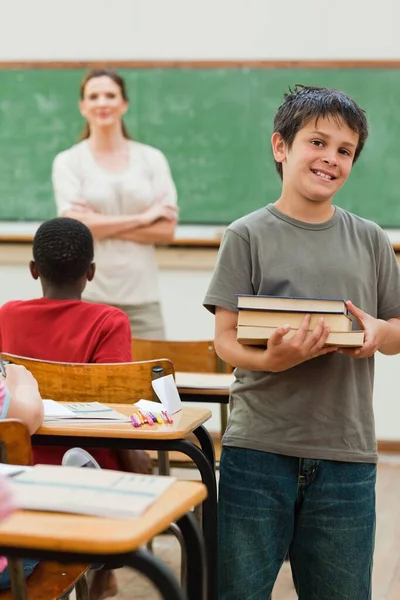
[(386, 577)]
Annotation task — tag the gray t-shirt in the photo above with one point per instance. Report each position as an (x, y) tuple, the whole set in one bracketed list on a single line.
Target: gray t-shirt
[(322, 408)]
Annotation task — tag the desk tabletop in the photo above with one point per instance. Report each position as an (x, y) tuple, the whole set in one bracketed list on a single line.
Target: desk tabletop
[(185, 421), (204, 384), (80, 533)]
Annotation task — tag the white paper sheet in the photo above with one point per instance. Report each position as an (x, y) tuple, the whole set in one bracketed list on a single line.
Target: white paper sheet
[(166, 390)]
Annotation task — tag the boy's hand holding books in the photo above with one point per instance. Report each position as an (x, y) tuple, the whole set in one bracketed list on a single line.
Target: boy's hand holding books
[(283, 354), (296, 329), (374, 333)]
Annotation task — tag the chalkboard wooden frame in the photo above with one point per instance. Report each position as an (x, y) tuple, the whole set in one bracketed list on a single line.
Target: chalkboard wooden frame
[(204, 64)]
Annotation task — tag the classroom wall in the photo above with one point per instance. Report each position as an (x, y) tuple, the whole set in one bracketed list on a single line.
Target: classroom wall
[(198, 29)]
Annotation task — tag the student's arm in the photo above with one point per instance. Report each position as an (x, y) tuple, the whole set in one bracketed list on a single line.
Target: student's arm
[(280, 354), (24, 402), (379, 335), (115, 345), (391, 337), (383, 333)]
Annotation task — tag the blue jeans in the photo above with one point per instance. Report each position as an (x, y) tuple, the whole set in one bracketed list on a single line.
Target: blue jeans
[(28, 565), (321, 512)]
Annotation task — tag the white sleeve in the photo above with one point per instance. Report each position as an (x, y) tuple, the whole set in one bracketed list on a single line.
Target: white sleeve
[(163, 183), (66, 183)]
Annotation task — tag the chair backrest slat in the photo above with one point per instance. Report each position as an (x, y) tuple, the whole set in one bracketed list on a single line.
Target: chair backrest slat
[(15, 443), (186, 356), (109, 383)]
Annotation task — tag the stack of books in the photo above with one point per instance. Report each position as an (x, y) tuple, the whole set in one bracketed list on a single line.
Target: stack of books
[(260, 316)]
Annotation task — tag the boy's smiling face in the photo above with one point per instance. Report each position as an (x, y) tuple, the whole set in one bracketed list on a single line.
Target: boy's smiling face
[(320, 159)]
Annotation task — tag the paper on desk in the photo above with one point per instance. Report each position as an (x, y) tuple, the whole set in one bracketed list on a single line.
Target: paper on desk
[(97, 492), (150, 406), (11, 470), (85, 411), (55, 410), (166, 390)]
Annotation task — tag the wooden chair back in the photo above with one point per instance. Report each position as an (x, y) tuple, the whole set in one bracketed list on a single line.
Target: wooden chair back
[(186, 356), (15, 442), (108, 383)]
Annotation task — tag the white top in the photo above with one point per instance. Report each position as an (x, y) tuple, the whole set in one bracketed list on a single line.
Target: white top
[(126, 272)]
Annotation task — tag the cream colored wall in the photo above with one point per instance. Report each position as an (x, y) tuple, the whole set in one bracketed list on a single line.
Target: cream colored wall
[(198, 29)]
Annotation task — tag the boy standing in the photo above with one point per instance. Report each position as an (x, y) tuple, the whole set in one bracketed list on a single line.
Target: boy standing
[(298, 466)]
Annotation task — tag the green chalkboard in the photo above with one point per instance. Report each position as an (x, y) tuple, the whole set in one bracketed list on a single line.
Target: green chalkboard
[(214, 126)]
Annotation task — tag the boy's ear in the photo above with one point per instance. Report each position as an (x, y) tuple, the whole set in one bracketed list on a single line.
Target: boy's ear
[(91, 271), (279, 148), (33, 269)]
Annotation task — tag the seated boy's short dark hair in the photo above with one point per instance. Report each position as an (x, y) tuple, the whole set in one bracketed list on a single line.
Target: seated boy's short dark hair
[(63, 250), (306, 102)]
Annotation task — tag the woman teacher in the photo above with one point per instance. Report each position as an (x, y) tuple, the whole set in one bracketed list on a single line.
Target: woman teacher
[(123, 191)]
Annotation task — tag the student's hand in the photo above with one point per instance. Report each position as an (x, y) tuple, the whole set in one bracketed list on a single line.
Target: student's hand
[(373, 336), (158, 210), (17, 377), (283, 354)]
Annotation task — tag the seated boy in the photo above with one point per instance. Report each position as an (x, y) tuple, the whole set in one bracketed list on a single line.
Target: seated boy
[(61, 327)]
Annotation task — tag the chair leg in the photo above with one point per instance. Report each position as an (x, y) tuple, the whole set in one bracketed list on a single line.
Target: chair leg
[(198, 513), (224, 417), (163, 469), (174, 529), (163, 463), (82, 589)]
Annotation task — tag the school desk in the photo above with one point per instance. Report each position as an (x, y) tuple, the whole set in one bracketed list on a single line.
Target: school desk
[(204, 387), (68, 538), (169, 438)]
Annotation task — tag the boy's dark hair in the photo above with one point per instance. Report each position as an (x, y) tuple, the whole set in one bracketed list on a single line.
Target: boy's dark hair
[(63, 250), (306, 102)]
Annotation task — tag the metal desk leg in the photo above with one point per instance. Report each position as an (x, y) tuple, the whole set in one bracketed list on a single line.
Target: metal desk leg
[(157, 573), (206, 444), (18, 586), (195, 558), (209, 510)]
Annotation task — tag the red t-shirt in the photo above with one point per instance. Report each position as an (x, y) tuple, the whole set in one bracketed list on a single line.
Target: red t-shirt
[(66, 331)]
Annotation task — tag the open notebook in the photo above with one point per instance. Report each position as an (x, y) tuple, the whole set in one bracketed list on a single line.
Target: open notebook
[(96, 492), (90, 412)]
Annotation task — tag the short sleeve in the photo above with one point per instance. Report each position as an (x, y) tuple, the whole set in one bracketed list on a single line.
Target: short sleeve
[(163, 183), (66, 182), (232, 274), (4, 400), (115, 343), (388, 280)]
